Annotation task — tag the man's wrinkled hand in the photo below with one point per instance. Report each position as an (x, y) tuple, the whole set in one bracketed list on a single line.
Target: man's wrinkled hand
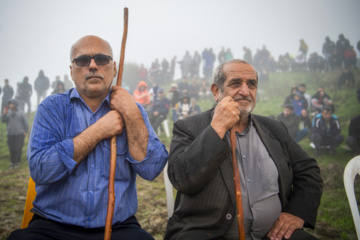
[(111, 124), (284, 226)]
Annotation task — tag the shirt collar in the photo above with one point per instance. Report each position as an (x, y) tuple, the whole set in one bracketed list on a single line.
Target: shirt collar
[(75, 95), (246, 130)]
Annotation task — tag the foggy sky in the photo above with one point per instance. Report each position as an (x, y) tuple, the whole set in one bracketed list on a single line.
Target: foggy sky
[(38, 34)]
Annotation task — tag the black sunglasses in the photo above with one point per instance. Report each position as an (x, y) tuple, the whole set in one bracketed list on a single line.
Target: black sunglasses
[(84, 61)]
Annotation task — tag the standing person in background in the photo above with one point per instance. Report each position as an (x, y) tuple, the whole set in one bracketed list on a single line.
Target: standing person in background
[(8, 93), (172, 68), (350, 58), (17, 128), (228, 55), (60, 88), (165, 68), (247, 55), (222, 56), (303, 48), (186, 62), (25, 93), (342, 44), (208, 62), (41, 85), (55, 83), (68, 84), (197, 62), (143, 73), (327, 50)]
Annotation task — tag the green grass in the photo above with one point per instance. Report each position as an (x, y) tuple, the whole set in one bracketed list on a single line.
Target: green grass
[(334, 209)]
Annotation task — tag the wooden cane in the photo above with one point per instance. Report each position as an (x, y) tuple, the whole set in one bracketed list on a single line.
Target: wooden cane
[(239, 207), (111, 200)]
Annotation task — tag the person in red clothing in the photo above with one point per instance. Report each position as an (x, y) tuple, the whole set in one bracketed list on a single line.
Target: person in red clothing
[(142, 95)]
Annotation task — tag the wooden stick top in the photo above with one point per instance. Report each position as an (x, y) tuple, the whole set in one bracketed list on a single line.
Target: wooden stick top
[(123, 44)]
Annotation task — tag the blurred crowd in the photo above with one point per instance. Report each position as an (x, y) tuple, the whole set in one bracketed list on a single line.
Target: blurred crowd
[(314, 116), (303, 114)]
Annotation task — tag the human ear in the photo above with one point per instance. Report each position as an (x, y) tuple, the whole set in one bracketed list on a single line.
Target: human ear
[(215, 90)]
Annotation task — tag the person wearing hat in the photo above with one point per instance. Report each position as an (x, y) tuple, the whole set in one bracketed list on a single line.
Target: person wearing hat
[(17, 128), (159, 109)]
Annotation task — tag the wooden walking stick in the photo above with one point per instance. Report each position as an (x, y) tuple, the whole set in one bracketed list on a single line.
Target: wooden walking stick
[(239, 207), (111, 200)]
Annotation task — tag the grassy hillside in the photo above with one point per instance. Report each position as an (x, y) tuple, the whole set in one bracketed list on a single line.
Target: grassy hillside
[(334, 217)]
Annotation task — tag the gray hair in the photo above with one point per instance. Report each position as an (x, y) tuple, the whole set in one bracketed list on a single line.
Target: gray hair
[(219, 76)]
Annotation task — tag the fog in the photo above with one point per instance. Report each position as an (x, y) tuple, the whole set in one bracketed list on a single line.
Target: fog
[(38, 34)]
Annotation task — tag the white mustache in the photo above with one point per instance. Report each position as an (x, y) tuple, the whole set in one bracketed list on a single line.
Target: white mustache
[(242, 98), (88, 76)]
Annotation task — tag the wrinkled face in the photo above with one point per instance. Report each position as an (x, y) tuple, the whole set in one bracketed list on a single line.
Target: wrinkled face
[(240, 84), (93, 81)]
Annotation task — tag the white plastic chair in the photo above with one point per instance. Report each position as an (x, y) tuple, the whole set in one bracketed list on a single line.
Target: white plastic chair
[(351, 170), (169, 193), (166, 127), (165, 124)]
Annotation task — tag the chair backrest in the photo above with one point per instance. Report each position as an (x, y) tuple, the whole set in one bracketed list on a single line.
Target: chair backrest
[(351, 170), (169, 193), (31, 193)]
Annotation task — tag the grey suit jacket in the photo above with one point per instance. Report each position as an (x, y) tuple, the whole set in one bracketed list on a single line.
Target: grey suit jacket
[(200, 169)]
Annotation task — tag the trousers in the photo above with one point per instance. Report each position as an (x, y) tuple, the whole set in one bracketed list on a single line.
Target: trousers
[(44, 229), (15, 144)]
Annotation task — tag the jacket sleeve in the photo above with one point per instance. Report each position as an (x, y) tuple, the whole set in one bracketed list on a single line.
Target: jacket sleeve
[(194, 160), (335, 127)]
